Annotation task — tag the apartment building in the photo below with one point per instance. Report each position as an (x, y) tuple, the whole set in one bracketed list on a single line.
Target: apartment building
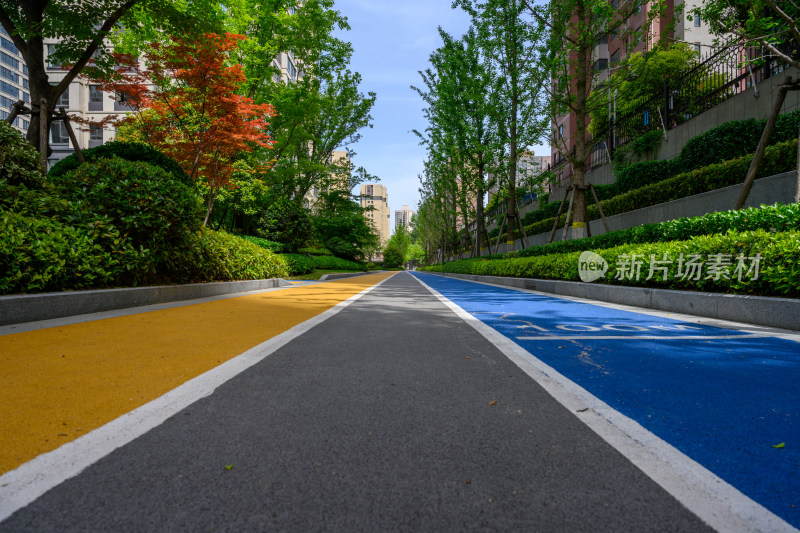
[(618, 44), (402, 218), (529, 166), (13, 81), (375, 196), (339, 180)]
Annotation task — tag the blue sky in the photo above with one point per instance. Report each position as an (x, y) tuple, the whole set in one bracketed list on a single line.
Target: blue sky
[(392, 41)]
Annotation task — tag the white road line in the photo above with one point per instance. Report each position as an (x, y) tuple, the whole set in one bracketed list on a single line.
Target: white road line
[(26, 483), (637, 337), (711, 498)]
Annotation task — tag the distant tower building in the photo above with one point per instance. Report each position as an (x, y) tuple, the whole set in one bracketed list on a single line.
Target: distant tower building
[(402, 218), (375, 196)]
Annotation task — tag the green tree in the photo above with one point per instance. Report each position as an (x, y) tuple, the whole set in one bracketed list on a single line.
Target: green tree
[(459, 136), (574, 29), (513, 44), (81, 28), (770, 24), (341, 227)]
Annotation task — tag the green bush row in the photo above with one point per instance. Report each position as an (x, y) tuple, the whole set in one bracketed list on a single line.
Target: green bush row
[(777, 159), (219, 256), (727, 141), (303, 264), (272, 246), (329, 262), (777, 275), (778, 217), (298, 264), (123, 150)]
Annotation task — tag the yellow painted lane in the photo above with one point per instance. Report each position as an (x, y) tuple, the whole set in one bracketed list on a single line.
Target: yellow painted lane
[(59, 383)]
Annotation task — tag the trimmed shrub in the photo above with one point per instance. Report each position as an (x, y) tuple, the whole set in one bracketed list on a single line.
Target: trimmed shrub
[(40, 254), (778, 158), (272, 246), (285, 222), (19, 161), (123, 150), (208, 255), (392, 256), (776, 218), (148, 205), (298, 264), (724, 142), (329, 262), (644, 173), (733, 252)]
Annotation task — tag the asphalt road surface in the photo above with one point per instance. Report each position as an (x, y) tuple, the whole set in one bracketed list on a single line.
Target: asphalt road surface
[(394, 414)]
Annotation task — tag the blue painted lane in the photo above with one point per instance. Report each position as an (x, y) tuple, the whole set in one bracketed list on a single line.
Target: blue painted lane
[(723, 397)]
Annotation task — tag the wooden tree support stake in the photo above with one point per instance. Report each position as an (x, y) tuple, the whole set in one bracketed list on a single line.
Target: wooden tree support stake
[(600, 209), (63, 116), (558, 215), (569, 214)]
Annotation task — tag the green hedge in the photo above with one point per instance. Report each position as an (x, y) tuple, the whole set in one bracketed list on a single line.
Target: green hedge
[(272, 246), (298, 264), (727, 141), (779, 217), (40, 254), (778, 276), (329, 262), (123, 150), (210, 255), (777, 159)]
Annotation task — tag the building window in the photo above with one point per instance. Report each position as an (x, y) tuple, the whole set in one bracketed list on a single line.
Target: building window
[(697, 21), (9, 74), (561, 132), (26, 97), (52, 62), (58, 133), (697, 48), (9, 89), (95, 98), (8, 60), (600, 65), (8, 45), (291, 69), (615, 57), (63, 99), (95, 135), (95, 132)]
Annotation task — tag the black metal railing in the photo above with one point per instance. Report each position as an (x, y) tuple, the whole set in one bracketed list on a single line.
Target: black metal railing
[(719, 76)]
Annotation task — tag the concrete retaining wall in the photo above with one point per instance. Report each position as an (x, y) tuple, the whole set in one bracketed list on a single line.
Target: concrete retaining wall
[(766, 191), (15, 309), (762, 310)]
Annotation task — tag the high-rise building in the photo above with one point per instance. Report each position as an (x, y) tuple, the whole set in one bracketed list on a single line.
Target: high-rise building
[(13, 81), (374, 196), (402, 218), (619, 43)]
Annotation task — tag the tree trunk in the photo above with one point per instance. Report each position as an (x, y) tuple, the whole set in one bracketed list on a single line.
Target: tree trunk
[(762, 146), (479, 224), (210, 205), (579, 207), (797, 184)]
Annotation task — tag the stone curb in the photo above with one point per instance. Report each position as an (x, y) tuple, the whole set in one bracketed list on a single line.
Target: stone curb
[(15, 309), (762, 310)]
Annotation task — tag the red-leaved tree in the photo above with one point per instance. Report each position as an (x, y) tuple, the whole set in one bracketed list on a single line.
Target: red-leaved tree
[(185, 105)]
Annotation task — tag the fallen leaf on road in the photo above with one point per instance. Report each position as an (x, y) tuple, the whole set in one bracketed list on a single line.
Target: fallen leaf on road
[(228, 467), (492, 403), (781, 445), (467, 357)]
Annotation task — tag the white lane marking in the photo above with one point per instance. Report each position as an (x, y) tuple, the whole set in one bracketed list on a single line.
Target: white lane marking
[(711, 498), (767, 331), (26, 483), (638, 337)]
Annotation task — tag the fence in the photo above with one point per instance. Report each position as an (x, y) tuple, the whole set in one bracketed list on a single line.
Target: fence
[(719, 76)]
